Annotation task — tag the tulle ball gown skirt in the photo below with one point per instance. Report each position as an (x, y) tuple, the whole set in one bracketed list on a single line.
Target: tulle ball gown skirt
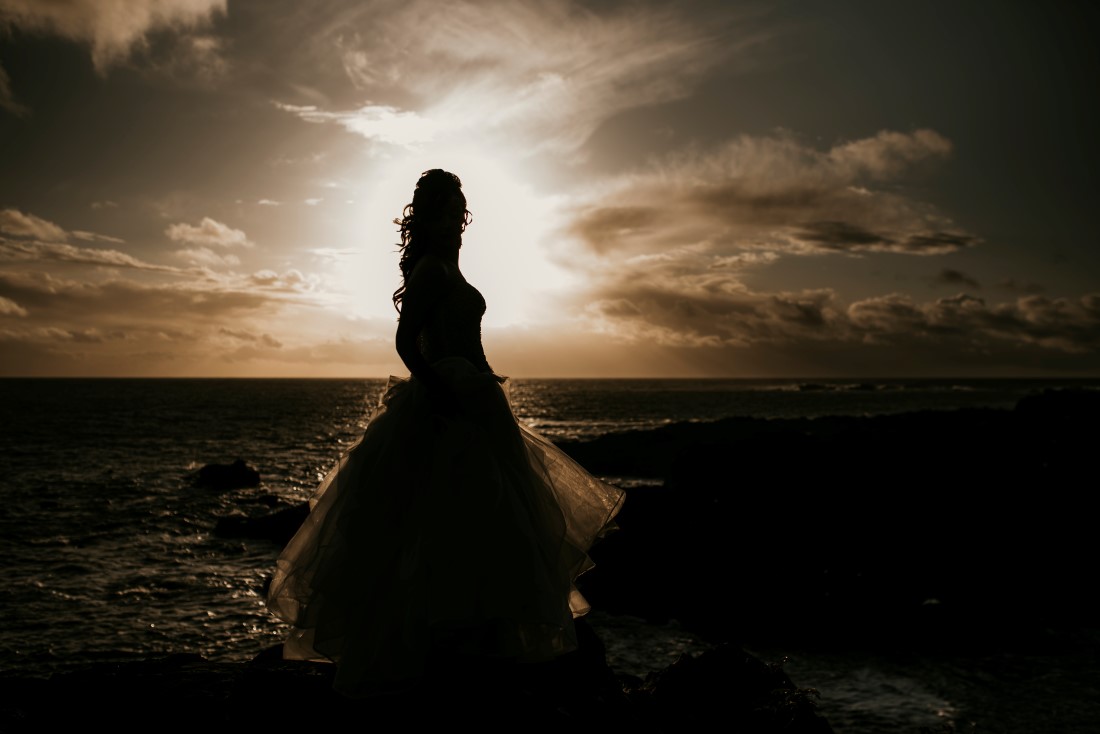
[(434, 535)]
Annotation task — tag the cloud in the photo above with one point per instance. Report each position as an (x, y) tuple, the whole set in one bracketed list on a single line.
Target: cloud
[(112, 28), (717, 311), (104, 204), (94, 237), (545, 75), (1060, 325), (205, 257), (889, 152), (772, 194), (7, 97), (268, 202), (16, 223), (955, 277), (121, 327), (336, 254), (81, 336), (9, 307), (263, 339), (713, 310), (20, 251), (208, 232), (120, 303), (292, 281), (376, 122)]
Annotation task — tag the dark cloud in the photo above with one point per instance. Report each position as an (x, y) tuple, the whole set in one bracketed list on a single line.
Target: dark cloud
[(712, 313), (111, 29), (841, 236), (19, 224), (937, 243), (775, 194), (57, 300), (721, 315), (949, 276), (847, 237), (1056, 325), (604, 227), (23, 251)]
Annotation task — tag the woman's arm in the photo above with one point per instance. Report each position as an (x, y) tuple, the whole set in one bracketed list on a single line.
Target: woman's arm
[(423, 292)]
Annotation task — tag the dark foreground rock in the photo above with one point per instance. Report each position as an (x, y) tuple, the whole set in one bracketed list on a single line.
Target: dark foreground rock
[(223, 477), (961, 529), (723, 689)]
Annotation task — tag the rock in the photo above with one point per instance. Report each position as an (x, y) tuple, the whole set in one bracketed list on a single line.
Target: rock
[(576, 692), (278, 526), (227, 476), (727, 689)]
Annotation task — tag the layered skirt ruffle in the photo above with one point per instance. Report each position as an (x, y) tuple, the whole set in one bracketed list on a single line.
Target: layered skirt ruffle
[(441, 535)]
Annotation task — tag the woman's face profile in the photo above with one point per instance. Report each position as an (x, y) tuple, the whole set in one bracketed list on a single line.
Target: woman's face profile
[(453, 214)]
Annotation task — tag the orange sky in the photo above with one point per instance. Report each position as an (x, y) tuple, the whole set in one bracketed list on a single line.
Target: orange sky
[(202, 188)]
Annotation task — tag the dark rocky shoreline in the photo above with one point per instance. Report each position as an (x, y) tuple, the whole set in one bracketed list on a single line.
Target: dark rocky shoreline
[(724, 686), (964, 530)]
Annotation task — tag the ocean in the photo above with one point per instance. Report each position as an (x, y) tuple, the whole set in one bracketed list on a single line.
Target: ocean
[(110, 555)]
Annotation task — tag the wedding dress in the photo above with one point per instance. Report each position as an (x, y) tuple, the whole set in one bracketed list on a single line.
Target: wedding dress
[(435, 534)]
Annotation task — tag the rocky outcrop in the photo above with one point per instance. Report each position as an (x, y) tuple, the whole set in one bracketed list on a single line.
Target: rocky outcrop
[(223, 477), (966, 528), (278, 526), (723, 689)]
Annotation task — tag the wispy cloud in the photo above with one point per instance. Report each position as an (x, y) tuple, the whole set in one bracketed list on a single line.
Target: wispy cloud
[(1070, 325), (290, 281), (9, 307), (122, 301), (722, 313), (775, 194), (205, 257), (247, 336), (545, 75), (208, 232), (24, 251), (950, 276), (376, 122), (16, 223), (112, 28), (95, 237)]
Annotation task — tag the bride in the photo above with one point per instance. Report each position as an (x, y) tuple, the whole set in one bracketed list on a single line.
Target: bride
[(450, 528)]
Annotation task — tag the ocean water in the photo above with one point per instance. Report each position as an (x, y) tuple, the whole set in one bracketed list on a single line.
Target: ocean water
[(109, 550)]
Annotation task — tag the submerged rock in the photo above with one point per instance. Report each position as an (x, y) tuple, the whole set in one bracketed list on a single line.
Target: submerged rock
[(227, 476)]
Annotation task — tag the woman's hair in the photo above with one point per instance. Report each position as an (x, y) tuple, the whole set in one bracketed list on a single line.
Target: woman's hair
[(429, 205)]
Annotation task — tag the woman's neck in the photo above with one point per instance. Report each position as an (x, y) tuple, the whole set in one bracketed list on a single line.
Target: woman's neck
[(446, 251)]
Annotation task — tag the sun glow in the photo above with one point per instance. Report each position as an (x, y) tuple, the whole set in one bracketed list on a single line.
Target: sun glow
[(505, 250)]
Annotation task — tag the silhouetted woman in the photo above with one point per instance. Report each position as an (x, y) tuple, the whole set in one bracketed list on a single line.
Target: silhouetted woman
[(449, 529)]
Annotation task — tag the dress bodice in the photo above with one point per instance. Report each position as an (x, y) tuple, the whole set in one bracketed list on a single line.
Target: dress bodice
[(454, 328)]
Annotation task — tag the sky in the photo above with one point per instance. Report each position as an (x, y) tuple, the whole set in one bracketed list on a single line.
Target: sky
[(690, 189)]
